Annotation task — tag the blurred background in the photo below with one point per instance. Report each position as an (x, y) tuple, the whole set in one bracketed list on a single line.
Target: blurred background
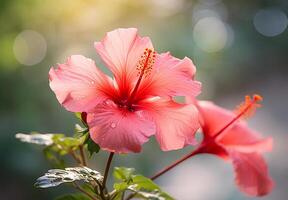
[(239, 47)]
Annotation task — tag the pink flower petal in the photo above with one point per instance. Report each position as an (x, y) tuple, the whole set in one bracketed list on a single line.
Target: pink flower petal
[(239, 144), (176, 124), (118, 130), (78, 84), (213, 118), (121, 50), (243, 139), (252, 175), (238, 136), (171, 76)]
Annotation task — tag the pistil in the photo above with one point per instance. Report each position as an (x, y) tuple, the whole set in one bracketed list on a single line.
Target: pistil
[(247, 107), (144, 67)]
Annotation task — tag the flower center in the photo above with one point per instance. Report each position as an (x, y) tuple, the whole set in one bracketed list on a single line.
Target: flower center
[(144, 67), (124, 104)]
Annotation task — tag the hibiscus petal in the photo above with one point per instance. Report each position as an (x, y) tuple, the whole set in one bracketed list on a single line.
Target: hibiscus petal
[(121, 50), (252, 175), (176, 123), (118, 130), (243, 139), (78, 84), (171, 77), (238, 136), (213, 118)]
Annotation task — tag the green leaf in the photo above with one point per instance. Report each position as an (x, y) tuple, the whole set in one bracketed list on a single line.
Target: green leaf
[(35, 138), (50, 155), (77, 196), (58, 145), (67, 142), (80, 131), (58, 142), (146, 188), (55, 177), (148, 195), (63, 145), (121, 186), (123, 174), (92, 146), (140, 186), (143, 182), (88, 188), (79, 116)]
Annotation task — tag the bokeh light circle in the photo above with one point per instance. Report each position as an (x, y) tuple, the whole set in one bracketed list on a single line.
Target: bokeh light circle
[(165, 8), (210, 34), (270, 22), (201, 10), (29, 47)]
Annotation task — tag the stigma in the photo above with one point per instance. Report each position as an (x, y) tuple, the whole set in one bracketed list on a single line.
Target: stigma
[(248, 107), (145, 63), (244, 110)]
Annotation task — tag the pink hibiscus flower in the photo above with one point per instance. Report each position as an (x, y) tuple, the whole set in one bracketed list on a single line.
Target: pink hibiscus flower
[(123, 112), (231, 139)]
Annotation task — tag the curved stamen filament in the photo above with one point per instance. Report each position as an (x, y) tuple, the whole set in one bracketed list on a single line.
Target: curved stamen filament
[(144, 67), (247, 107)]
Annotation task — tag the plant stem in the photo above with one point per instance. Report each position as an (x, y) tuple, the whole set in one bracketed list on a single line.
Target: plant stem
[(123, 195), (84, 192), (101, 190), (169, 167), (107, 169), (82, 153), (131, 196), (113, 194), (78, 160)]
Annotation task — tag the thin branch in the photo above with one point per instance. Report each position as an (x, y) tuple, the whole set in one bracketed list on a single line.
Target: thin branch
[(84, 192), (83, 157), (78, 160), (169, 167), (101, 189), (123, 195), (107, 169), (131, 196), (113, 194)]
